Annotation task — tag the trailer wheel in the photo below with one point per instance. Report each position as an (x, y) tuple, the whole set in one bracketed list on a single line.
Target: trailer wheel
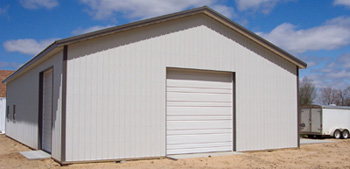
[(345, 134), (337, 134)]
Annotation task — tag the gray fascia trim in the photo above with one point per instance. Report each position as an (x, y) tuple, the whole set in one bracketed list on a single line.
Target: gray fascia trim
[(298, 108), (34, 59), (132, 25)]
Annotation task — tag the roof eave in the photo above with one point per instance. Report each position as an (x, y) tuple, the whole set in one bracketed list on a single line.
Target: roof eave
[(132, 25), (206, 10), (30, 62)]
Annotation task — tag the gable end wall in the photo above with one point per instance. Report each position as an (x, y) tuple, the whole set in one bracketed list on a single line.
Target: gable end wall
[(116, 95)]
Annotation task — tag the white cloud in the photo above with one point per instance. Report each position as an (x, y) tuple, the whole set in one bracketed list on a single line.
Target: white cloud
[(103, 9), (80, 30), (9, 65), (35, 4), (27, 46), (312, 60), (225, 10), (332, 34), (342, 2), (330, 71), (265, 6), (345, 60)]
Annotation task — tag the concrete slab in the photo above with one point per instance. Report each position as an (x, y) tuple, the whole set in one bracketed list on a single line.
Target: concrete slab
[(197, 155), (313, 141), (35, 155)]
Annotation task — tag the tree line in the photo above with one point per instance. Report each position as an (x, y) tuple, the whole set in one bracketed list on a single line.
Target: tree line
[(327, 96)]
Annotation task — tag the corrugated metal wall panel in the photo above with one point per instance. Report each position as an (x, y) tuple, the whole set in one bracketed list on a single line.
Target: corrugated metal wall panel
[(24, 93), (116, 88), (267, 108), (2, 114)]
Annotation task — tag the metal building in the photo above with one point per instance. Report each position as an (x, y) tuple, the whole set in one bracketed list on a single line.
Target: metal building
[(3, 75), (186, 82)]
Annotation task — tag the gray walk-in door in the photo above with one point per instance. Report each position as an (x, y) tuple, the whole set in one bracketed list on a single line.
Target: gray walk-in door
[(47, 111), (199, 111)]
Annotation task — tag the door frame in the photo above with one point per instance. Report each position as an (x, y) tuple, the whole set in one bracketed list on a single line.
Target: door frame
[(40, 108)]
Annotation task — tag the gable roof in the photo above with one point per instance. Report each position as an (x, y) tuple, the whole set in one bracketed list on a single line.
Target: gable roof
[(3, 75), (202, 10)]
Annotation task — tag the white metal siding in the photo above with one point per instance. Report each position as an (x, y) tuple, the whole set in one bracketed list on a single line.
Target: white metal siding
[(47, 111), (24, 93), (199, 111), (116, 88), (2, 114)]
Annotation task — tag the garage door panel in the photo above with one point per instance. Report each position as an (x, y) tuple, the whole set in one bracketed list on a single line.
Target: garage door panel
[(199, 75), (199, 90), (196, 111), (202, 131), (198, 97), (198, 104), (198, 118), (190, 125), (199, 111), (199, 150), (198, 84), (199, 138), (201, 145)]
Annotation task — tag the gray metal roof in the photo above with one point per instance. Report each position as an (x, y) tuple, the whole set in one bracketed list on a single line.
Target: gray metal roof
[(205, 10), (335, 107), (327, 107)]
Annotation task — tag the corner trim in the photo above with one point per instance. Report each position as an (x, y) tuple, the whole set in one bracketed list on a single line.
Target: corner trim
[(64, 103), (40, 114), (298, 109), (234, 112)]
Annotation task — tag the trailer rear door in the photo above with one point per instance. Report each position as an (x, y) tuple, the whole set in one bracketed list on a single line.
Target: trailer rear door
[(316, 120), (305, 120)]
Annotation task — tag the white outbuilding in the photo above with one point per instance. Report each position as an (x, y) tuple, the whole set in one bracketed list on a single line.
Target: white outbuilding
[(3, 75), (187, 82)]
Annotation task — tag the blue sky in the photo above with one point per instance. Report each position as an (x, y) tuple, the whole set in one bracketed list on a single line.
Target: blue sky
[(316, 31)]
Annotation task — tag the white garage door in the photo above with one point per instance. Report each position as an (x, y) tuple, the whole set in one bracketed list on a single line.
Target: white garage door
[(199, 111), (47, 111)]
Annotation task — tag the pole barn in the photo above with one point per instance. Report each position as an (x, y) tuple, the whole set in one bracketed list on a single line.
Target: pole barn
[(187, 82)]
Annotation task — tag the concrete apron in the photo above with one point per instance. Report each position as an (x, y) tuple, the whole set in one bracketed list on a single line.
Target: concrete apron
[(35, 155), (313, 141)]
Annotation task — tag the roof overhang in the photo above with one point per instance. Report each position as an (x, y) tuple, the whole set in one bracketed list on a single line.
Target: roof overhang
[(58, 45)]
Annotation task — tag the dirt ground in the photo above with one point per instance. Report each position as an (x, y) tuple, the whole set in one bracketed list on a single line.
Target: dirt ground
[(326, 155)]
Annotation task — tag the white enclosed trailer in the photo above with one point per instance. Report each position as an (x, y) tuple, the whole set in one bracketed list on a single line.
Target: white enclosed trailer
[(316, 120)]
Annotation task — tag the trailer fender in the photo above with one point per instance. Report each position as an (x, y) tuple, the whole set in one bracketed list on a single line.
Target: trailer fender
[(333, 130)]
